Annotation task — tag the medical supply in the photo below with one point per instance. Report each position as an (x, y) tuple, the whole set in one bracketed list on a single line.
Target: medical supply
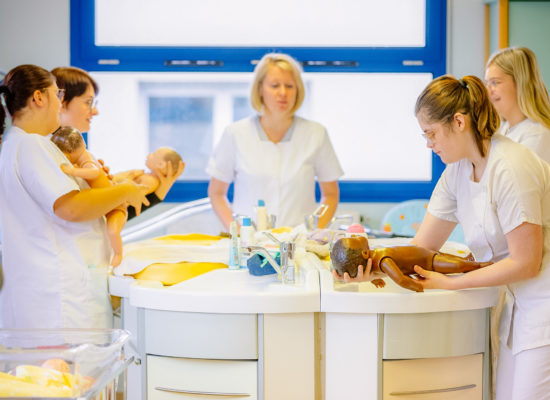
[(261, 216), (234, 249), (247, 238), (355, 230)]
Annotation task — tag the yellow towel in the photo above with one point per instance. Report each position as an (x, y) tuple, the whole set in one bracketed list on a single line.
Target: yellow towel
[(170, 274)]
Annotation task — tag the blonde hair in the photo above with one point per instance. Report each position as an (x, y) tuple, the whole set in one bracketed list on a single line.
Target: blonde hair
[(286, 63), (445, 96), (521, 64)]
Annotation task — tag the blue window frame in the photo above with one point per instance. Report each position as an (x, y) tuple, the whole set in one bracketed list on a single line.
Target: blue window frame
[(430, 58)]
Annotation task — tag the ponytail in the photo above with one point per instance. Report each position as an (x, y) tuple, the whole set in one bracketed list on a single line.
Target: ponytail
[(445, 96), (6, 92)]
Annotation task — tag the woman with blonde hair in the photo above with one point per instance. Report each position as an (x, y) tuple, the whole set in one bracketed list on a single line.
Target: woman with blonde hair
[(275, 155), (517, 91)]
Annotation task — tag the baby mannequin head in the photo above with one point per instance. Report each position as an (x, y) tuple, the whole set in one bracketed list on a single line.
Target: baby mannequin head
[(70, 142), (348, 253), (159, 159)]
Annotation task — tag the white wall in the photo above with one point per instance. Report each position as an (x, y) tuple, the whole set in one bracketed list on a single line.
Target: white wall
[(34, 32)]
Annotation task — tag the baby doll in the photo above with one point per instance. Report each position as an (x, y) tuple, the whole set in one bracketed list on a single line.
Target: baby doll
[(85, 166), (397, 262)]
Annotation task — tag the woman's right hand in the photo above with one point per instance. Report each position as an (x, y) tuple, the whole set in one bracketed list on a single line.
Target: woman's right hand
[(363, 274), (136, 196)]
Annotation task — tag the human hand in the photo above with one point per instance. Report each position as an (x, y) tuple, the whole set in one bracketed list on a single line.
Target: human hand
[(363, 274), (137, 196), (167, 180), (129, 175), (432, 279), (105, 168)]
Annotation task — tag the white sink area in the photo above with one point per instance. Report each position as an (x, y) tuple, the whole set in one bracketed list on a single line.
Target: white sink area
[(224, 291)]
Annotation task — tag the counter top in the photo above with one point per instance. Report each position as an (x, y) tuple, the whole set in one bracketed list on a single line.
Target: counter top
[(224, 291)]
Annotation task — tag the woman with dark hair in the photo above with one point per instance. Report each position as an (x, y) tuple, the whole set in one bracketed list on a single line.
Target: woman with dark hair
[(55, 250), (79, 107)]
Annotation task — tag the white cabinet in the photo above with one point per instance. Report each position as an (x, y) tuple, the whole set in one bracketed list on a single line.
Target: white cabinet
[(176, 378), (450, 378)]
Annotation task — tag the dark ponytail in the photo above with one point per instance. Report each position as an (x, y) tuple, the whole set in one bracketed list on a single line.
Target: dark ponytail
[(19, 84), (446, 95), (6, 92)]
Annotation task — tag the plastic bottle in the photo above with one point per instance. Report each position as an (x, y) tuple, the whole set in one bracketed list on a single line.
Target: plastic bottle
[(234, 249), (261, 216), (247, 238)]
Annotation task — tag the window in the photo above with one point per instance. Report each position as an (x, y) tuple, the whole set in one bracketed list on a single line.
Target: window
[(363, 71)]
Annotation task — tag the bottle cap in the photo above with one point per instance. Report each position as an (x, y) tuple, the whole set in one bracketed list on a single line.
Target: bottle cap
[(261, 203), (246, 221)]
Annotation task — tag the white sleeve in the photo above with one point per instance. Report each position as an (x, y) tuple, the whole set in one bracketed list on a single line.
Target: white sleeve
[(539, 142), (221, 164), (37, 168), (518, 194), (327, 166), (443, 201)]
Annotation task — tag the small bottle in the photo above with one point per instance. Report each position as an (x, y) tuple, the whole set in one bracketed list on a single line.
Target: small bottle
[(247, 239), (234, 249), (261, 216)]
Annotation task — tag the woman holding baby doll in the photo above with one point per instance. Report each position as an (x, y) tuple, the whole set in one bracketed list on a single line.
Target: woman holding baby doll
[(55, 250), (79, 107), (499, 191)]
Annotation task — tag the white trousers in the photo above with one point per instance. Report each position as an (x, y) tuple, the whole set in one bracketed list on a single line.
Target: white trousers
[(525, 376)]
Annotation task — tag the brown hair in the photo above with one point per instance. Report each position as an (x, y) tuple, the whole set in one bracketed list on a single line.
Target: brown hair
[(19, 85), (75, 81), (445, 96), (67, 138), (173, 158)]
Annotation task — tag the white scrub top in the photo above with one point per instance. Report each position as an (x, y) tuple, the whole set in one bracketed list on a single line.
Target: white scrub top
[(515, 188), (531, 134), (54, 270), (282, 174)]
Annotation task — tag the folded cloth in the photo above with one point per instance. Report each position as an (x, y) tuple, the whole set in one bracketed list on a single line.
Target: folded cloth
[(258, 265), (172, 249)]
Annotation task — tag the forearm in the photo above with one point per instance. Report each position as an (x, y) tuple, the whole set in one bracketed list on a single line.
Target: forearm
[(221, 207), (90, 204), (330, 195)]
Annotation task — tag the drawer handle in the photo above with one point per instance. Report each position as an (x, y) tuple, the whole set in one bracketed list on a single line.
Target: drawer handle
[(451, 389), (219, 394)]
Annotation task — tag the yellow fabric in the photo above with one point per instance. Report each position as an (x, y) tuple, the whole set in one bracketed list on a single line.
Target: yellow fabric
[(40, 382), (170, 274), (191, 238), (282, 229)]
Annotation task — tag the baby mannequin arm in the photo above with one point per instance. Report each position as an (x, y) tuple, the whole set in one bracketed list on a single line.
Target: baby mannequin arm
[(391, 269), (148, 180), (84, 173)]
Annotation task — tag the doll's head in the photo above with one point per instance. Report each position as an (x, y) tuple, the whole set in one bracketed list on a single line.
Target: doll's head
[(159, 159), (348, 253), (70, 142)]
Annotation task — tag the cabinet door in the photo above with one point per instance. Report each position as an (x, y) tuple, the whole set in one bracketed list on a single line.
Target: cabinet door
[(170, 378), (451, 378)]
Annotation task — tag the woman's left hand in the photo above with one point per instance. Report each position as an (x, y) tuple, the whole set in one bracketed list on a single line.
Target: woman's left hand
[(167, 180), (432, 279)]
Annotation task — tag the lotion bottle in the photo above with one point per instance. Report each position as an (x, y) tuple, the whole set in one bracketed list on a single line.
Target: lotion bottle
[(234, 249), (261, 216), (247, 239)]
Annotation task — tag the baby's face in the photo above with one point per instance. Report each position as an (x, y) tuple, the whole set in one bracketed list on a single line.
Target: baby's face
[(155, 161)]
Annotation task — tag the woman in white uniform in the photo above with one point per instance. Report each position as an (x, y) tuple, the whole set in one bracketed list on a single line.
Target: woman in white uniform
[(518, 92), (55, 250), (275, 156)]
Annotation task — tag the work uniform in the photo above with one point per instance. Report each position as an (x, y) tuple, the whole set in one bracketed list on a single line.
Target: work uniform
[(531, 134), (55, 271), (514, 188), (282, 174)]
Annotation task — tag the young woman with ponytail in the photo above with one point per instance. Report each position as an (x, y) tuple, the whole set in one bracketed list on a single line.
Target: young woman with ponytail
[(55, 249)]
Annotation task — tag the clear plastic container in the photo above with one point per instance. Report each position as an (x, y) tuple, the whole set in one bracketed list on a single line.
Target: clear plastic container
[(63, 363)]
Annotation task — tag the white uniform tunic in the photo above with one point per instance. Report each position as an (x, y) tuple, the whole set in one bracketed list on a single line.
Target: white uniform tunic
[(282, 174), (514, 188), (531, 134), (54, 270)]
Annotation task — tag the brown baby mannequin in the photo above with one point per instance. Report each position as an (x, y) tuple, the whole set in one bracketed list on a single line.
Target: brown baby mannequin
[(397, 262)]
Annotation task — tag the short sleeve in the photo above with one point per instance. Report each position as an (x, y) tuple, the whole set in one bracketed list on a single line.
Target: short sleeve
[(221, 164), (37, 166), (327, 166), (443, 200)]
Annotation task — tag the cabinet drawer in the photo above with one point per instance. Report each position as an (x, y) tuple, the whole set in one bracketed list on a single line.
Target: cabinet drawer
[(201, 335), (452, 378), (178, 378)]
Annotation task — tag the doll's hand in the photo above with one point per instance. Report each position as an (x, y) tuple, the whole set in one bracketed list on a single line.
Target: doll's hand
[(167, 180), (432, 279), (363, 274), (105, 168), (67, 168)]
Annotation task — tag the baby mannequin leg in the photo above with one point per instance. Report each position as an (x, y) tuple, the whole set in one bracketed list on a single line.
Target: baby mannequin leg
[(115, 222), (450, 264)]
